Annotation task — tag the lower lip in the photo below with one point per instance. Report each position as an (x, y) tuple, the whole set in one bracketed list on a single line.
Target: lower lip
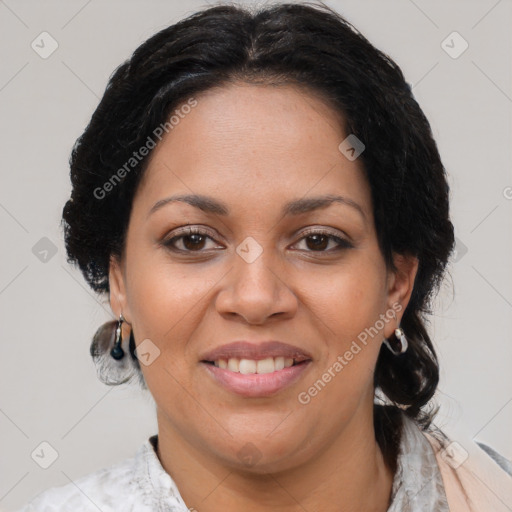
[(255, 385)]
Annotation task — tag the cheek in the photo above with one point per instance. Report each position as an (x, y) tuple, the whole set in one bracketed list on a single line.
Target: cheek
[(167, 303), (350, 298), (349, 303), (161, 295)]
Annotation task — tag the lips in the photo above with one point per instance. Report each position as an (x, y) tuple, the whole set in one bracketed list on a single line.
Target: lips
[(256, 370), (256, 351)]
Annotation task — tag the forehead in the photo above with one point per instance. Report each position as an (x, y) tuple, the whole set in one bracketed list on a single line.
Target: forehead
[(254, 144)]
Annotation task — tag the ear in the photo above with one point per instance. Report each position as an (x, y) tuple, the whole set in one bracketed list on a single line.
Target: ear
[(400, 287), (117, 285)]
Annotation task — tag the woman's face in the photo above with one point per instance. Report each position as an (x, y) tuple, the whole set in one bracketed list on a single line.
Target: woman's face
[(273, 262)]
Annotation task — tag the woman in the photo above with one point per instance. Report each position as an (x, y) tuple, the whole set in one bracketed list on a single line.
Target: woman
[(262, 199)]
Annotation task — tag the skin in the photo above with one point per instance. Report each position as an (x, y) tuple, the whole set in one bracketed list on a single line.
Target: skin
[(256, 147)]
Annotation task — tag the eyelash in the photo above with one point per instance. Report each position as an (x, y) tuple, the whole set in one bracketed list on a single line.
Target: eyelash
[(342, 243)]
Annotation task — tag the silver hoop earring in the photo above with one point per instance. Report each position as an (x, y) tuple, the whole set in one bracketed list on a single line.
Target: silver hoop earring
[(400, 342)]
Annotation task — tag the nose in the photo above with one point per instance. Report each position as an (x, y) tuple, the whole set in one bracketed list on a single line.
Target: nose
[(256, 292)]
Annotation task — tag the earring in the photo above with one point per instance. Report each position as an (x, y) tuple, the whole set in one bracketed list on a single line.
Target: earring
[(117, 351), (109, 357), (402, 341)]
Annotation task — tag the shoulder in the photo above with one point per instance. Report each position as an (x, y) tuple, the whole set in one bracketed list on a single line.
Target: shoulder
[(476, 477), (102, 489)]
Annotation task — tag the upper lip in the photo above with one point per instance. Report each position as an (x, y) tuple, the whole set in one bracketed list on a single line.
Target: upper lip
[(256, 351)]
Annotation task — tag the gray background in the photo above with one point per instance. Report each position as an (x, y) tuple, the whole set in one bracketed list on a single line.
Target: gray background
[(49, 390)]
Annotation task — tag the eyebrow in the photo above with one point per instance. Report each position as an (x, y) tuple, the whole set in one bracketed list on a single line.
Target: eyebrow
[(295, 207)]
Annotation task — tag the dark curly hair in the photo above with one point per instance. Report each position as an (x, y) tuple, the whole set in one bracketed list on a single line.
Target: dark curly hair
[(312, 46)]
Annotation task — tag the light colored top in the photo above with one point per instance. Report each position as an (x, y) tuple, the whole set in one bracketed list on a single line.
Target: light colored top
[(428, 478)]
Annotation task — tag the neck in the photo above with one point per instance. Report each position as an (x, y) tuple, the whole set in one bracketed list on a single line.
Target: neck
[(350, 474)]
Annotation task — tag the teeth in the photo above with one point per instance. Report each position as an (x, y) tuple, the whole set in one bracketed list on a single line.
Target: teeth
[(248, 366), (266, 365), (233, 364)]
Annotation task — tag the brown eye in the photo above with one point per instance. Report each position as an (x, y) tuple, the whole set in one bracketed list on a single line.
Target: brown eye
[(319, 241), (191, 240)]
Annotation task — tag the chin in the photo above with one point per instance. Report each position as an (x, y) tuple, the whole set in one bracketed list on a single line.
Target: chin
[(259, 453)]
